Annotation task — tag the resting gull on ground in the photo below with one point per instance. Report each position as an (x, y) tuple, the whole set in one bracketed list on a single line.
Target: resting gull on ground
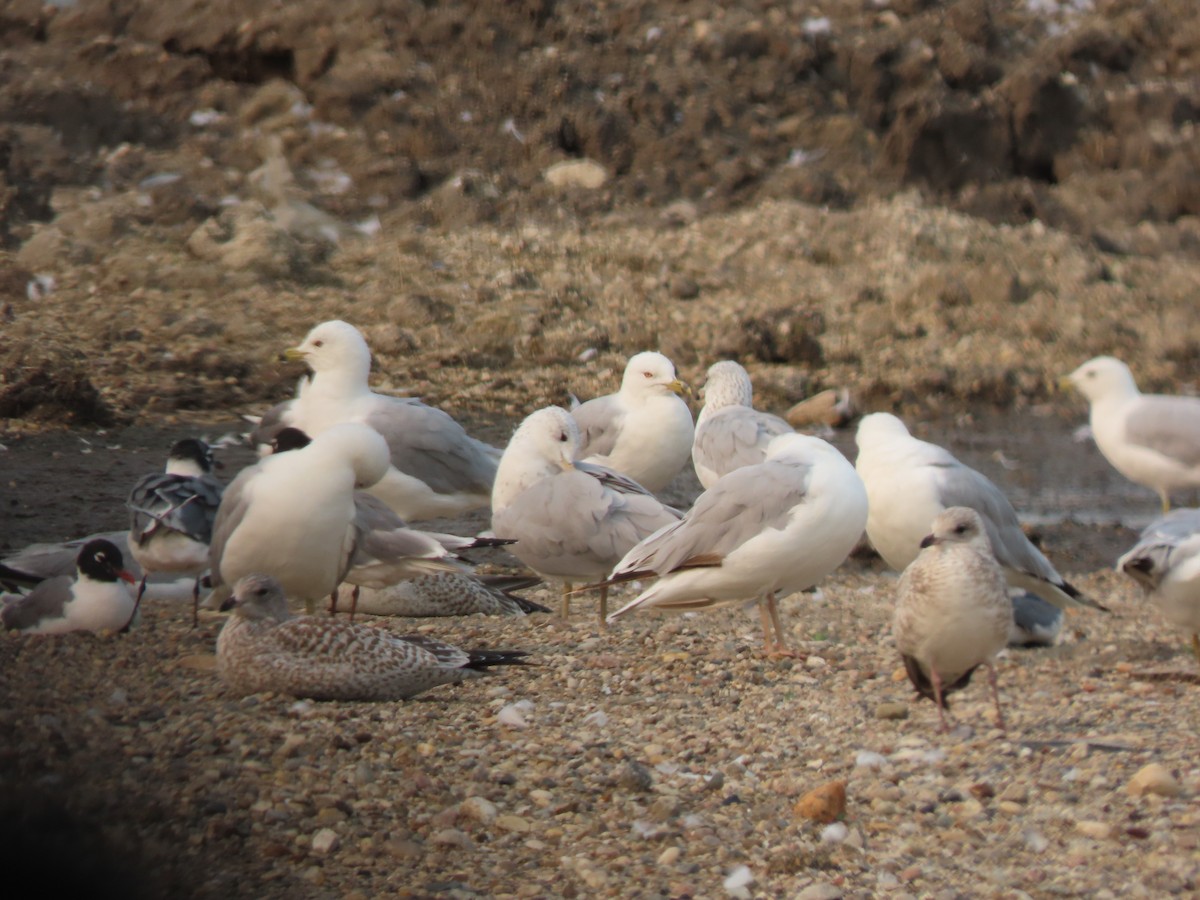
[(643, 431), (95, 599), (910, 481), (730, 432), (571, 521), (448, 594), (952, 609), (437, 469), (762, 531), (1151, 439), (263, 647), (171, 516), (1166, 562), (292, 515)]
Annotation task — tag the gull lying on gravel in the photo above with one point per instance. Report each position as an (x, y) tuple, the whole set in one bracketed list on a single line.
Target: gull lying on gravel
[(643, 431), (263, 647), (910, 481), (437, 469), (171, 516), (762, 531), (1166, 562), (93, 600), (571, 521), (1151, 439), (952, 609), (730, 432), (448, 594), (292, 515)]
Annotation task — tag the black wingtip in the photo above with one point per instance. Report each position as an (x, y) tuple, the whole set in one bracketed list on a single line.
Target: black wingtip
[(482, 660)]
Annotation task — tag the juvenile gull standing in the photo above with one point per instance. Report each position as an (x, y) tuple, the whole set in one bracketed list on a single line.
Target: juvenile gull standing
[(263, 647), (437, 469), (292, 515), (1166, 562), (1151, 439), (952, 609), (910, 481), (571, 521), (762, 531), (171, 516), (643, 431), (95, 599), (730, 432)]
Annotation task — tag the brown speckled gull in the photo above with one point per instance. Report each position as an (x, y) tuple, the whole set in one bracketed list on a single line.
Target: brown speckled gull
[(952, 609), (263, 647)]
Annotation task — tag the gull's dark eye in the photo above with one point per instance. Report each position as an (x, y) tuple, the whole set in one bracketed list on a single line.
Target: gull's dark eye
[(562, 436), (318, 343), (647, 374), (960, 529), (261, 592)]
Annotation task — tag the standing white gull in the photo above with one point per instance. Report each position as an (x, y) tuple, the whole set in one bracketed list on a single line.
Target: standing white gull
[(730, 432), (952, 609), (94, 600), (643, 431), (1151, 439), (292, 515), (910, 481), (171, 516), (263, 647), (762, 531), (1166, 562), (437, 469), (571, 521)]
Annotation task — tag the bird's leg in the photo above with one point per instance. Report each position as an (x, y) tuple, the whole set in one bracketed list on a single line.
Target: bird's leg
[(565, 609), (195, 602), (1166, 502), (764, 617), (353, 602), (768, 611), (996, 697), (936, 679), (1196, 646), (333, 598), (137, 602), (604, 606)]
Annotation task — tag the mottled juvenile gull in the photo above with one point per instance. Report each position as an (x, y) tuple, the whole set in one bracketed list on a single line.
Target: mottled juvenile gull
[(730, 432), (437, 469), (292, 515), (910, 481), (1166, 562), (171, 515), (1151, 439), (448, 594), (643, 431), (571, 521), (93, 600), (952, 609), (263, 647), (761, 532)]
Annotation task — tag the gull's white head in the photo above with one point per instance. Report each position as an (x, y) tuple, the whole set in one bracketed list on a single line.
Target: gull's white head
[(333, 346), (877, 428), (727, 384), (649, 373), (958, 525), (258, 598), (356, 445), (1102, 377), (551, 434)]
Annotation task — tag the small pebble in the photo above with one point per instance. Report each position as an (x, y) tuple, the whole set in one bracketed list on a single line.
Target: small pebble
[(1154, 779)]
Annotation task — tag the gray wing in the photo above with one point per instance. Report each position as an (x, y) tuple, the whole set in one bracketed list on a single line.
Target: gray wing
[(180, 503), (611, 478), (734, 437), (234, 503), (45, 601), (960, 485), (428, 444), (742, 505), (1165, 543), (600, 421), (1170, 425), (570, 524)]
